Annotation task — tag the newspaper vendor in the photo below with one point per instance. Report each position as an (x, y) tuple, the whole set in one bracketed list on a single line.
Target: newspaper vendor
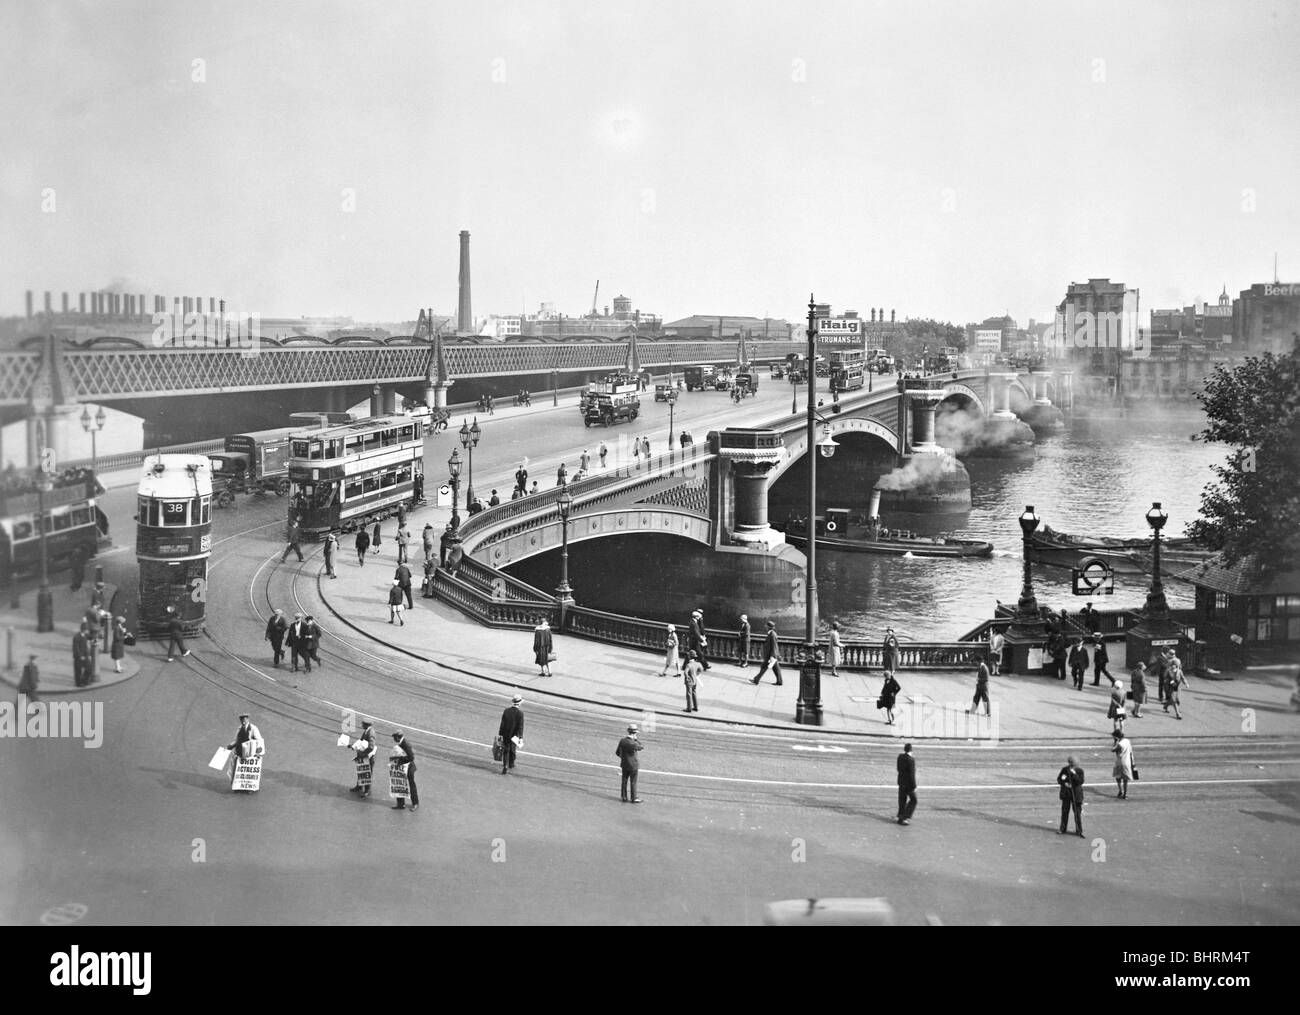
[(249, 748), (366, 749)]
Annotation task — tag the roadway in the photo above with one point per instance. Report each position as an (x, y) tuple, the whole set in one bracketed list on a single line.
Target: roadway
[(734, 816)]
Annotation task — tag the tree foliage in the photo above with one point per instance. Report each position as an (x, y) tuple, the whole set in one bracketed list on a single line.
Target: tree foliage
[(920, 333), (1254, 508)]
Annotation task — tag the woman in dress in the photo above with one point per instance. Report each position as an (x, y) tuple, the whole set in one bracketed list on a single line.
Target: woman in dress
[(1139, 678), (671, 662), (374, 538), (888, 695), (1118, 710), (119, 642), (836, 656), (1123, 771), (542, 647), (1174, 679)]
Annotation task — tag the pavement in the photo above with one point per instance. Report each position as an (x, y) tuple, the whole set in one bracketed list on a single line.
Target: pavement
[(54, 648)]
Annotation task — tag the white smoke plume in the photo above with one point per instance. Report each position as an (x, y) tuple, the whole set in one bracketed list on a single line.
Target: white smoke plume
[(919, 471)]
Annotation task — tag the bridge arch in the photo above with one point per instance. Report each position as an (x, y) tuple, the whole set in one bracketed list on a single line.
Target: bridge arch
[(796, 441), (962, 396), (520, 546)]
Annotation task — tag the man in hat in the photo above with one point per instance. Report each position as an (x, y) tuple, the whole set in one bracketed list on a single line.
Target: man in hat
[(313, 638), (403, 577), (906, 785), (276, 628), (366, 749), (404, 753), (696, 640), (331, 548), (247, 744), (427, 538), (297, 639), (175, 631), (511, 733), (294, 538), (771, 655), (30, 680), (626, 752), (742, 637), (1070, 779)]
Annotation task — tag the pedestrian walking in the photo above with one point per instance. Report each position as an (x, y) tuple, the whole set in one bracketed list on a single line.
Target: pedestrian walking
[(562, 475), (29, 681), (248, 743), (835, 653), (374, 539), (78, 568), (426, 587), (628, 749), (404, 754), (1139, 683), (1100, 661), (276, 629), (331, 548), (742, 642), (691, 677), (1123, 770), (1118, 709), (533, 489), (366, 749), (494, 500), (584, 460), (1078, 660), (395, 606), (403, 577), (491, 406), (427, 538), (80, 666), (636, 450), (454, 556), (175, 631), (981, 690), (1162, 664), (293, 537), (445, 542), (511, 733), (363, 546), (889, 651), (1177, 679), (771, 655), (417, 489), (313, 637), (543, 648), (1091, 620), (120, 638), (94, 624), (996, 644), (603, 452), (1070, 779), (906, 785), (403, 538), (889, 697), (645, 449), (696, 639), (299, 641), (671, 661), (1057, 649)]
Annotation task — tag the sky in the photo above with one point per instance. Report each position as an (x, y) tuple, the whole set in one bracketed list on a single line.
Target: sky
[(955, 160)]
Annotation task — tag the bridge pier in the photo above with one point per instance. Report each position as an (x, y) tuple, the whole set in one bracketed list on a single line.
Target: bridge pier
[(1004, 434), (1043, 416), (929, 480), (749, 455), (383, 400)]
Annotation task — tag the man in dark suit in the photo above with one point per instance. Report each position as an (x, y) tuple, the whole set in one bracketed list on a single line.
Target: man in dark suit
[(275, 632), (406, 756), (697, 642), (80, 655), (403, 576), (313, 638), (906, 785), (297, 639), (1070, 779), (511, 733), (175, 631), (771, 655), (626, 752)]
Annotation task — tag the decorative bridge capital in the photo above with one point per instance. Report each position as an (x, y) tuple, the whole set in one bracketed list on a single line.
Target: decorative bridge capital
[(751, 447)]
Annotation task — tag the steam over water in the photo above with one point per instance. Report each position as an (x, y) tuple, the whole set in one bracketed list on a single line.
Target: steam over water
[(1093, 479)]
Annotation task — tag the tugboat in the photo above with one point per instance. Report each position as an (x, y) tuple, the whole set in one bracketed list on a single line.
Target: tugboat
[(835, 531), (1125, 556)]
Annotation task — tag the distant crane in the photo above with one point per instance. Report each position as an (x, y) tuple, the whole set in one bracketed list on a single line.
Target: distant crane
[(594, 297)]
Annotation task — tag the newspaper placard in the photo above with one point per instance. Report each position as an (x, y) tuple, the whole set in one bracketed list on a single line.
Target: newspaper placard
[(364, 770), (397, 783), (248, 774), (220, 760)]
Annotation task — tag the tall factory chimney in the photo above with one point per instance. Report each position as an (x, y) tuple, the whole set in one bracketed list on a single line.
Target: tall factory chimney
[(29, 303), (65, 303), (465, 316)]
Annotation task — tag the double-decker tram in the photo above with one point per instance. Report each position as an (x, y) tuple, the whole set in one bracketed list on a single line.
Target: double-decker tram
[(173, 541), (847, 369), (71, 520), (343, 477)]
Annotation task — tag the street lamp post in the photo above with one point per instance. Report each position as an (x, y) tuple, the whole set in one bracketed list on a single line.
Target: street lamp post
[(1156, 628), (1027, 629), (565, 593), (469, 436), (453, 471), (92, 426), (672, 404)]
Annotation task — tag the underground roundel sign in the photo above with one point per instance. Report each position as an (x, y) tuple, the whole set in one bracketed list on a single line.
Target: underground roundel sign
[(1093, 577)]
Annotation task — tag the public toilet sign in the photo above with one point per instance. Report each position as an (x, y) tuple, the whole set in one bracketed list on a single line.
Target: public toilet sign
[(1158, 642), (847, 330)]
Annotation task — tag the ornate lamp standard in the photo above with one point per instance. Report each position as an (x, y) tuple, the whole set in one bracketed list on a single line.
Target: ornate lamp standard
[(672, 404), (453, 471), (469, 436), (92, 426), (1027, 629), (1157, 629), (565, 593)]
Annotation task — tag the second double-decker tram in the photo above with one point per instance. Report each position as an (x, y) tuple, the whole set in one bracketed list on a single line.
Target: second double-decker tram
[(343, 477), (847, 369)]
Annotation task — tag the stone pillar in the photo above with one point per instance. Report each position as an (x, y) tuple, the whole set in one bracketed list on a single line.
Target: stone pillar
[(750, 482), (1043, 416), (376, 401), (751, 455), (388, 399), (923, 403)]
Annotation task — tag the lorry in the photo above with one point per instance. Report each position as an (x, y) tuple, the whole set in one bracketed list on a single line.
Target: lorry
[(699, 378), (255, 462), (608, 409)]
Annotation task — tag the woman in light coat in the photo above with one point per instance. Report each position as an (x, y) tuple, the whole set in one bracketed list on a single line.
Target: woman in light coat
[(836, 655), (1123, 770), (119, 642), (671, 661), (1139, 678), (1174, 679), (1118, 709), (542, 647)]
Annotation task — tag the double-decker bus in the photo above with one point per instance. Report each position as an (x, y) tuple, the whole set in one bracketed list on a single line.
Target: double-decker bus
[(847, 369), (343, 477), (71, 520)]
